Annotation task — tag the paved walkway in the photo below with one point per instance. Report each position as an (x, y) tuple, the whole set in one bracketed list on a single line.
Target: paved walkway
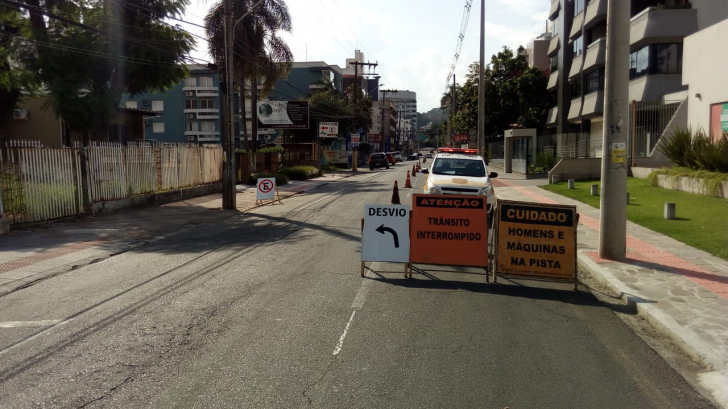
[(681, 291)]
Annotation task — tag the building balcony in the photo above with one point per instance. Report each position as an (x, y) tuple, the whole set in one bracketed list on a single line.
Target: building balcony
[(654, 86), (596, 12), (201, 91), (208, 138), (593, 105), (553, 81), (661, 26), (203, 133), (554, 11), (574, 110), (552, 117), (576, 26), (595, 54), (202, 111), (576, 67), (553, 46)]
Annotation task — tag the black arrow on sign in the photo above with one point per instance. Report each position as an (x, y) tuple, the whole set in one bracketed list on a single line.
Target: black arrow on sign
[(382, 229)]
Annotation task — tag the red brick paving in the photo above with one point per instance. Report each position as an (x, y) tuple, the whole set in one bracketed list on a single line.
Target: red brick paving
[(46, 255)]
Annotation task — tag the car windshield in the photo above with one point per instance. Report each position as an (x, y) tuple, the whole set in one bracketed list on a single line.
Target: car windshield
[(458, 167)]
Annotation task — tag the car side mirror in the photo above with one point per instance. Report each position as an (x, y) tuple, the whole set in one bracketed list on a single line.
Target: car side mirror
[(493, 175), (425, 171)]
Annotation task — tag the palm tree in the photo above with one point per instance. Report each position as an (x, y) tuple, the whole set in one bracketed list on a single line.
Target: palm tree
[(259, 54)]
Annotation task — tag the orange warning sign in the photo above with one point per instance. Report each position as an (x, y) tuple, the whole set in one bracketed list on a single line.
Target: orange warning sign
[(449, 230)]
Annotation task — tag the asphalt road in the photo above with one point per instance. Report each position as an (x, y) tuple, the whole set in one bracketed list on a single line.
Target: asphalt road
[(267, 309)]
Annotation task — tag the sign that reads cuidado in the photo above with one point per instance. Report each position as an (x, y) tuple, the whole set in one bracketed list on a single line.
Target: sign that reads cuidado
[(537, 239), (283, 114), (449, 230)]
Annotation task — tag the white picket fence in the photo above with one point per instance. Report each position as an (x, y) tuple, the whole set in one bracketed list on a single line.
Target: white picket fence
[(39, 183)]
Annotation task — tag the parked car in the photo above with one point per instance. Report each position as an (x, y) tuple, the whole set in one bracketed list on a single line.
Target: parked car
[(378, 160), (390, 158), (414, 156), (429, 155), (397, 156)]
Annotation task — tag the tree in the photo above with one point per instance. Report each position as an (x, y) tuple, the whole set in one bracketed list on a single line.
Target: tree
[(87, 54), (259, 53), (514, 94), (13, 79)]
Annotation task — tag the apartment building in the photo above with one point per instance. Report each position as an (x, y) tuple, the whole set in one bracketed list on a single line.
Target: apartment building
[(577, 53), (190, 112)]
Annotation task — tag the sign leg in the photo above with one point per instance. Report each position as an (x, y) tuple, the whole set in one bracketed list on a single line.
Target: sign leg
[(362, 269)]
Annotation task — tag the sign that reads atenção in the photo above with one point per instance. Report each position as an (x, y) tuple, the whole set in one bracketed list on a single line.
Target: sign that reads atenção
[(449, 230), (537, 239)]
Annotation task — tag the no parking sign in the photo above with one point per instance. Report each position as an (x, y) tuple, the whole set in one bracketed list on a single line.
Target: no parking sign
[(266, 190)]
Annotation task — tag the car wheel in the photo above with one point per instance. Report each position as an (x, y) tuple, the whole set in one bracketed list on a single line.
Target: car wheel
[(387, 166), (371, 167)]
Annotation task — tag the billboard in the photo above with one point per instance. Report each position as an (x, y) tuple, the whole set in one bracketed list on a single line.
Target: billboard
[(328, 129), (283, 114)]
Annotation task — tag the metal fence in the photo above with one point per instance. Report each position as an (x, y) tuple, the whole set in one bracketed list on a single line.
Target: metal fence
[(650, 121), (39, 183)]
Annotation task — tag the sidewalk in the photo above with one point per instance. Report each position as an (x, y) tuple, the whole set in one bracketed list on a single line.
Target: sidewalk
[(681, 291), (31, 255)]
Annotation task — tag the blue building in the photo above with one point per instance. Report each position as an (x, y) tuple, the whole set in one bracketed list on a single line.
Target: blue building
[(190, 112), (304, 79)]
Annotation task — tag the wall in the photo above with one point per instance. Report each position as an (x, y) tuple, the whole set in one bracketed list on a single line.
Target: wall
[(41, 125), (704, 72), (584, 168)]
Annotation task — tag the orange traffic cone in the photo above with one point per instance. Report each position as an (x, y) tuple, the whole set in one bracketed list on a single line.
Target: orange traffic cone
[(414, 169), (407, 183), (424, 160), (395, 194), (418, 166)]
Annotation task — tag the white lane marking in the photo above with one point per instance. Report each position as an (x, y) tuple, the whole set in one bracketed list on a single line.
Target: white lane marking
[(361, 296), (28, 324), (343, 336)]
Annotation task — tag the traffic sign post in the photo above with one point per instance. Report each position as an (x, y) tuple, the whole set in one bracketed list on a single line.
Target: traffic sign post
[(536, 240), (266, 189), (385, 234)]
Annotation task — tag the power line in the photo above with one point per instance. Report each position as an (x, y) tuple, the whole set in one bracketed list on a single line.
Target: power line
[(459, 46)]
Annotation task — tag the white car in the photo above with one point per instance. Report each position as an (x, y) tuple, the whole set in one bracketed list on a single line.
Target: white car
[(397, 156), (460, 172)]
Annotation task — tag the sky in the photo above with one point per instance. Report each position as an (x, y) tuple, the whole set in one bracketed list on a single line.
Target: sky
[(413, 41)]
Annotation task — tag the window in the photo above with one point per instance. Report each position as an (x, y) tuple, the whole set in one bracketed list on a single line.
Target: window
[(192, 126), (207, 103), (594, 81), (554, 63), (639, 62), (575, 89), (131, 104), (656, 59), (191, 104), (554, 26), (207, 126), (668, 58), (206, 81), (158, 127), (578, 46), (190, 82), (578, 6), (158, 106)]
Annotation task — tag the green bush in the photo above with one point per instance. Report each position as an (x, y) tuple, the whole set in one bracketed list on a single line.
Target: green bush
[(544, 163), (271, 149), (696, 151), (281, 179), (301, 172)]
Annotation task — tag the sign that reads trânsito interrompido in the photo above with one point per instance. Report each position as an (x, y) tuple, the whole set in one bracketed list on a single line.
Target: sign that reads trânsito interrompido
[(283, 114), (449, 230), (537, 239)]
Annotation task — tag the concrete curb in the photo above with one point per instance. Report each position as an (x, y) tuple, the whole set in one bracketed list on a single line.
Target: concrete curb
[(693, 347)]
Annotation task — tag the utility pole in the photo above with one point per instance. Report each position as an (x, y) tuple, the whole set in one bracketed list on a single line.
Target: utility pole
[(354, 156), (481, 83), (613, 204), (228, 164)]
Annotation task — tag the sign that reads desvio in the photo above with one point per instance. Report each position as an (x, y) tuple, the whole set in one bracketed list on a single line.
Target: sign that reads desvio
[(283, 114)]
